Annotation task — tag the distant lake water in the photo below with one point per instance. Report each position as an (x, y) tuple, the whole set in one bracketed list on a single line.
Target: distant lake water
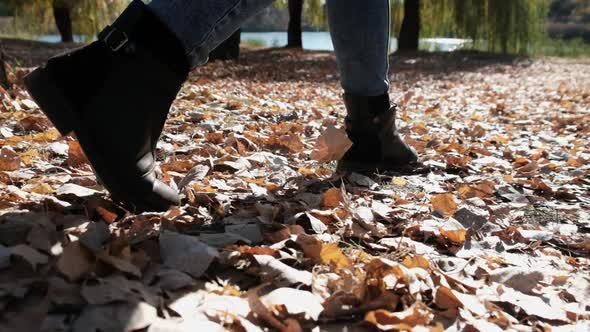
[(319, 41)]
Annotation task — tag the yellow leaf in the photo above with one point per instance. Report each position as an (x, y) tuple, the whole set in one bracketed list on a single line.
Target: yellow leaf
[(416, 261), (482, 189), (331, 254), (399, 182), (456, 235), (384, 320), (39, 188), (28, 157), (444, 204)]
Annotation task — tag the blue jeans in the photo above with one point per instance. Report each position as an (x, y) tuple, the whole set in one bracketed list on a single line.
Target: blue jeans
[(359, 31)]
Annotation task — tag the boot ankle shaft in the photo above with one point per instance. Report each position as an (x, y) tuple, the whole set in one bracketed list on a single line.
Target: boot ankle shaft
[(139, 26), (366, 106)]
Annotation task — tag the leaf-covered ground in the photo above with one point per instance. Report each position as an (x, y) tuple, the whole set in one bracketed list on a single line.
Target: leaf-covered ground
[(493, 236)]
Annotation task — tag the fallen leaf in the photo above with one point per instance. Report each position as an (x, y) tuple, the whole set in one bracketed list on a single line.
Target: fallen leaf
[(453, 231), (444, 204), (29, 254), (115, 288), (75, 261), (447, 298), (416, 261), (169, 279), (311, 246), (107, 215), (120, 264), (4, 257), (264, 314), (187, 325), (332, 255), (123, 317), (331, 145), (186, 253), (9, 160), (532, 305), (520, 278), (281, 272), (95, 236), (331, 198), (294, 302), (417, 314), (76, 156), (76, 190), (470, 219)]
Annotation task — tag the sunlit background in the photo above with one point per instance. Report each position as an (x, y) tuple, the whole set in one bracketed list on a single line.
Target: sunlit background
[(545, 27)]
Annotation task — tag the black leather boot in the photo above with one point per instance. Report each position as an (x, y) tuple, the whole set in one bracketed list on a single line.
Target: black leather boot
[(376, 145), (114, 95)]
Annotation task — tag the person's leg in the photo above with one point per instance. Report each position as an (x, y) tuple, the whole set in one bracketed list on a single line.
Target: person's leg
[(360, 34), (201, 25)]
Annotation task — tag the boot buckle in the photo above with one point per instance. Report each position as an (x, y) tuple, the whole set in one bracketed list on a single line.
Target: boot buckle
[(115, 39)]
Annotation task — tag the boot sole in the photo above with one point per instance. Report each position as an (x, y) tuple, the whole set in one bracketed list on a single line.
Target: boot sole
[(56, 107)]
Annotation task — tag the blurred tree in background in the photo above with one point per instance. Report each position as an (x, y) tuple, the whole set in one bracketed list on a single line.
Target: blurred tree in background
[(80, 17), (314, 10), (496, 25)]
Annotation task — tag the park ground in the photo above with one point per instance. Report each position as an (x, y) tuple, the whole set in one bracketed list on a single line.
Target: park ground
[(491, 235)]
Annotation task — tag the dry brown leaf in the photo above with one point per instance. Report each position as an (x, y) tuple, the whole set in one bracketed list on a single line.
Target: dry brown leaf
[(331, 198), (258, 251), (9, 160), (107, 215), (482, 189), (75, 261), (262, 311), (292, 142), (76, 156), (311, 246), (331, 145)]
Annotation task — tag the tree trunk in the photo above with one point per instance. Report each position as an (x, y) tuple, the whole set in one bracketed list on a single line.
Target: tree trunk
[(229, 49), (294, 30), (63, 21), (410, 32), (3, 75)]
